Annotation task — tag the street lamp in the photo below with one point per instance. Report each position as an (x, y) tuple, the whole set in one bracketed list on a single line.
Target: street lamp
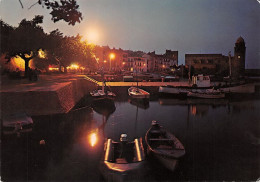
[(111, 56)]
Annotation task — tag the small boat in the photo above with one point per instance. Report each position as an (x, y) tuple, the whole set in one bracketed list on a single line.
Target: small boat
[(138, 93), (103, 98), (104, 92), (164, 146), (123, 160), (207, 94), (16, 123)]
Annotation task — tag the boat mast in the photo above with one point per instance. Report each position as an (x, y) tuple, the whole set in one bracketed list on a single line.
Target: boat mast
[(103, 81), (229, 61)]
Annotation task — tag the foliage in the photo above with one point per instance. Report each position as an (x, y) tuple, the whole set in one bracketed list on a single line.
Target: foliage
[(69, 49), (66, 10), (26, 40), (5, 35)]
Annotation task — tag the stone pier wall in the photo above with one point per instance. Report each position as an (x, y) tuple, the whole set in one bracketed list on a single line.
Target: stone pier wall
[(61, 98)]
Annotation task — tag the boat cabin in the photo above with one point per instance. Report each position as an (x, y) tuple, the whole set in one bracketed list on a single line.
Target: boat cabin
[(201, 81)]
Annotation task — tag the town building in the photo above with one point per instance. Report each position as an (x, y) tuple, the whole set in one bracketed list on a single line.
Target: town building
[(137, 64), (219, 64), (164, 62), (207, 63)]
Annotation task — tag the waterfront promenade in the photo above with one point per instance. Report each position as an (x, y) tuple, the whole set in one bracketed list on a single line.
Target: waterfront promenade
[(53, 94)]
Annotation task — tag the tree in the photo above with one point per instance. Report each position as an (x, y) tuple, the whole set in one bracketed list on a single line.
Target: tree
[(5, 32), (26, 40), (55, 51), (66, 10)]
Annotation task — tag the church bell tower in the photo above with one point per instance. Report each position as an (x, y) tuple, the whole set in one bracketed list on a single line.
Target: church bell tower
[(238, 65)]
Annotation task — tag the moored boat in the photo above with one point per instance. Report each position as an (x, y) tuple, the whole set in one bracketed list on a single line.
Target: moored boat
[(138, 93), (164, 146), (123, 160), (103, 97), (200, 82), (207, 94), (104, 92), (245, 88)]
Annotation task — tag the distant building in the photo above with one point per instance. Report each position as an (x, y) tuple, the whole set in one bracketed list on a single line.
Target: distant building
[(207, 63), (219, 64), (164, 62), (137, 64)]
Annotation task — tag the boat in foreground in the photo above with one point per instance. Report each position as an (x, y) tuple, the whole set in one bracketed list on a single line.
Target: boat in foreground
[(164, 146), (123, 160), (138, 93), (207, 94)]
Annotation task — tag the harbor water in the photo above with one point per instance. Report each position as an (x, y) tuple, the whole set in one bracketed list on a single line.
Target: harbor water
[(221, 139)]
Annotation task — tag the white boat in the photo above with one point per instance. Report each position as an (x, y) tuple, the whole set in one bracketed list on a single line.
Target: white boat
[(207, 94), (138, 93), (200, 82)]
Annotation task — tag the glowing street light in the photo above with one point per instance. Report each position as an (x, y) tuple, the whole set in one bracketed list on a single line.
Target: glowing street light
[(111, 56)]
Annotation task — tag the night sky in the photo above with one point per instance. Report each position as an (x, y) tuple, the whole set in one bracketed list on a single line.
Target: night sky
[(188, 26)]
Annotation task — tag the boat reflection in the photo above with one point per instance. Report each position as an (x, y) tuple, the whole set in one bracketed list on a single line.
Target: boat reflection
[(143, 104), (105, 110), (170, 101)]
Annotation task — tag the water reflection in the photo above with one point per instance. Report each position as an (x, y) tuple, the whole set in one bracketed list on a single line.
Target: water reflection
[(93, 139), (221, 139), (141, 103)]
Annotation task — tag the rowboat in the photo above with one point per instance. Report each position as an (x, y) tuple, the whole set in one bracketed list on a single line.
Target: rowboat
[(164, 146), (207, 94), (123, 160), (138, 93)]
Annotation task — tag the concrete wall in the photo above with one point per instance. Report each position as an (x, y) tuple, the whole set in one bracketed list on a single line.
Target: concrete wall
[(44, 102)]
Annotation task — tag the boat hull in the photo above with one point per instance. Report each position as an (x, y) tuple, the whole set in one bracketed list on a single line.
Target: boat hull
[(165, 147), (119, 167), (138, 93), (206, 95), (240, 89)]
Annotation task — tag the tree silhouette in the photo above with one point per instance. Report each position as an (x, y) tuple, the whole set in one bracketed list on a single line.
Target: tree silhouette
[(66, 10), (26, 40), (5, 35)]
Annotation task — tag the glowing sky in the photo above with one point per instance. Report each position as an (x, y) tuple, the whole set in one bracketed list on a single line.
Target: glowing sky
[(189, 26)]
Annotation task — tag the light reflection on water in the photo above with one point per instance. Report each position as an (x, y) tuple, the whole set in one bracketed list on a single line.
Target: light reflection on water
[(221, 139)]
